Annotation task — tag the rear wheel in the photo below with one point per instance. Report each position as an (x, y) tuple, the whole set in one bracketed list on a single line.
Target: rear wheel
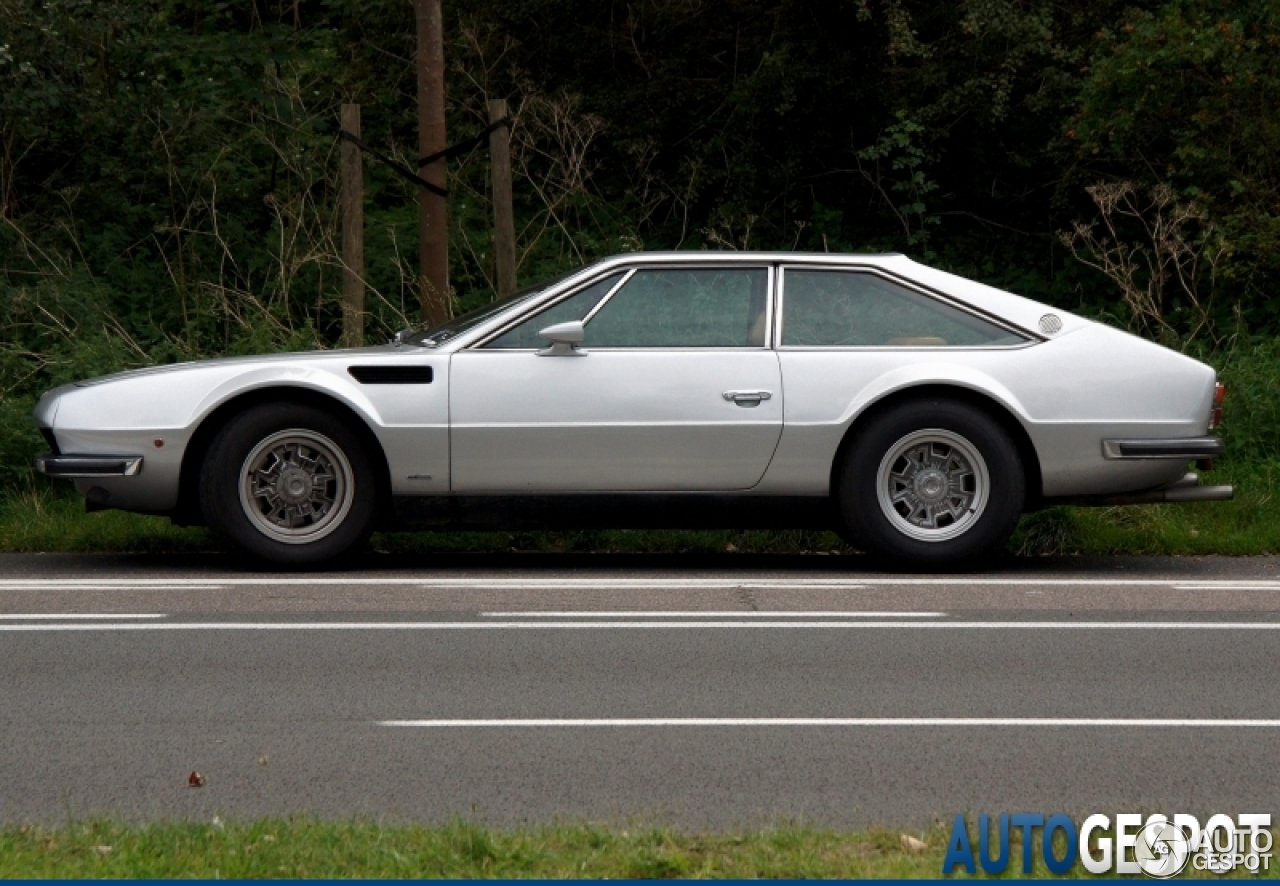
[(288, 484), (931, 483)]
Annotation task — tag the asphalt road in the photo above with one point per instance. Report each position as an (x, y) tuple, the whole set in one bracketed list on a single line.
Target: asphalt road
[(719, 692)]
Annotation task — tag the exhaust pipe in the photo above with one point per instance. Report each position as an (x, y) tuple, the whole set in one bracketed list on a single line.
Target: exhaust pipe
[(1187, 489)]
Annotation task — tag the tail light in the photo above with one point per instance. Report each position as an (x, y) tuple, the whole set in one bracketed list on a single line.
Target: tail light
[(1215, 414)]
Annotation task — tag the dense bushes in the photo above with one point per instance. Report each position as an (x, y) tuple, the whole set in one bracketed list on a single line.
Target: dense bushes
[(168, 167)]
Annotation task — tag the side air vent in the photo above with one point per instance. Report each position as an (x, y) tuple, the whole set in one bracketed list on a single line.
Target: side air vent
[(391, 375)]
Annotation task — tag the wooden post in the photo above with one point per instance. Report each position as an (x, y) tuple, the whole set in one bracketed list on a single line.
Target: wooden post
[(352, 200), (433, 218), (504, 223)]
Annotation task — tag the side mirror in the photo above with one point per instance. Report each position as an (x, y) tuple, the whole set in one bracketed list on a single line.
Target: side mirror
[(564, 338)]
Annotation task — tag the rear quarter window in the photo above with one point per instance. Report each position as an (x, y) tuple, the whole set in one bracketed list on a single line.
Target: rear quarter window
[(831, 309)]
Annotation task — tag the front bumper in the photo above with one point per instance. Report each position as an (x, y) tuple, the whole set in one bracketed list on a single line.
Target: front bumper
[(89, 465), (1184, 448)]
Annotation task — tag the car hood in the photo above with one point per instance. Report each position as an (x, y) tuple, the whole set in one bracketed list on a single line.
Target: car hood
[(259, 359)]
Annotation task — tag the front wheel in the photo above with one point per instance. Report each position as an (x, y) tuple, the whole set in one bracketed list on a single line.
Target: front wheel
[(288, 484), (931, 483)]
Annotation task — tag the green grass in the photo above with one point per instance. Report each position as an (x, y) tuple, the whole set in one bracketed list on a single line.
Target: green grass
[(308, 848), (1248, 525), (41, 518)]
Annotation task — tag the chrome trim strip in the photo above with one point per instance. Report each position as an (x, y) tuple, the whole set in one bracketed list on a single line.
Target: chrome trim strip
[(1184, 447), (89, 465), (608, 295)]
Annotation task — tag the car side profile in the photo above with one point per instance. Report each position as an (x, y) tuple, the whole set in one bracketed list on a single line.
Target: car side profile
[(914, 411)]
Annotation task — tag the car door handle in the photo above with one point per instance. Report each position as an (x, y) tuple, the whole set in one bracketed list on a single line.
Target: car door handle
[(747, 399)]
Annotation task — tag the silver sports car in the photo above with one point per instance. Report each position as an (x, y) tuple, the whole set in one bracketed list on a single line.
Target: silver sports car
[(916, 412)]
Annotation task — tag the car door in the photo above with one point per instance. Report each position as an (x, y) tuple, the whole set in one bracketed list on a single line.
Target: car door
[(674, 389)]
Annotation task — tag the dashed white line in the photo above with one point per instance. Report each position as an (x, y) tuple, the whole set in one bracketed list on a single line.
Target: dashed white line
[(76, 616), (1226, 587), (105, 586), (705, 614), (838, 721)]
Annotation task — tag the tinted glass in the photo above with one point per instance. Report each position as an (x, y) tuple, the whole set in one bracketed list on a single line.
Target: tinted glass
[(679, 308), (575, 307), (850, 309)]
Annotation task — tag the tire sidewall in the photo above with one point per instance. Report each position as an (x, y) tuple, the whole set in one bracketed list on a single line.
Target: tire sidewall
[(220, 485), (859, 504)]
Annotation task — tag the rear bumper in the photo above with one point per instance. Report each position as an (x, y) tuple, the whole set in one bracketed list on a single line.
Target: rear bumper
[(1184, 448), (89, 465)]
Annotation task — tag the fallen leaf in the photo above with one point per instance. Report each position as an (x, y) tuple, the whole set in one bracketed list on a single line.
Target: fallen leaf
[(195, 780), (263, 760), (731, 547), (102, 850), (912, 845)]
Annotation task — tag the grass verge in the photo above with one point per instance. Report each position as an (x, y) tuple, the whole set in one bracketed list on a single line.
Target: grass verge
[(303, 848), (53, 519)]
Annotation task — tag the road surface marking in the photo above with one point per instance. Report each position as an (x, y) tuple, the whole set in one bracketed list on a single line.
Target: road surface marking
[(1227, 587), (619, 583), (705, 614), (552, 625), (838, 721), (58, 616), (106, 586)]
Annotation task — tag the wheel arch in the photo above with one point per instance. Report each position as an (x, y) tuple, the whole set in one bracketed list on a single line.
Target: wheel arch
[(188, 513), (990, 406)]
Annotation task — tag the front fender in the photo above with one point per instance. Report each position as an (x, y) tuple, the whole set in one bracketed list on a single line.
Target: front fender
[(315, 379)]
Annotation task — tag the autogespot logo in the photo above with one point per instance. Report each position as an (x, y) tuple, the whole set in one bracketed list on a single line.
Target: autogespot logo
[(1162, 849), (1158, 847)]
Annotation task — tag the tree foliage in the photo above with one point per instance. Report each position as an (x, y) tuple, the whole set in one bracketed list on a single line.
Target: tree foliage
[(168, 168)]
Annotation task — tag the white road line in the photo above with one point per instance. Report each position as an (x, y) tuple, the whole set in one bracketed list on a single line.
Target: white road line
[(99, 586), (704, 614), (618, 583), (644, 625), (67, 616), (1230, 587), (837, 721)]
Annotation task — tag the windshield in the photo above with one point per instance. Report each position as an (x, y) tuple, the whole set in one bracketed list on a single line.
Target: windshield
[(438, 335)]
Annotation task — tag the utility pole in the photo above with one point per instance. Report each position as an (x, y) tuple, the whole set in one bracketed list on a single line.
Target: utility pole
[(352, 201), (433, 218), (504, 224)]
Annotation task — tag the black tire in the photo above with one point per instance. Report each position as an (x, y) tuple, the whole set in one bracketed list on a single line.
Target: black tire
[(918, 452), (311, 497)]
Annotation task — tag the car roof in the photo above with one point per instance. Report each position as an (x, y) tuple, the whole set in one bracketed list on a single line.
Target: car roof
[(1005, 306)]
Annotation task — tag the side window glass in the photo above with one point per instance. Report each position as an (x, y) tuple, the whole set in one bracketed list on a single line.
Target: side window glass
[(852, 309), (575, 307), (685, 308)]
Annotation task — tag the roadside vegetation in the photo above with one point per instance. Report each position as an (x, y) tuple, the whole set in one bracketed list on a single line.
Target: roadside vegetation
[(306, 849)]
